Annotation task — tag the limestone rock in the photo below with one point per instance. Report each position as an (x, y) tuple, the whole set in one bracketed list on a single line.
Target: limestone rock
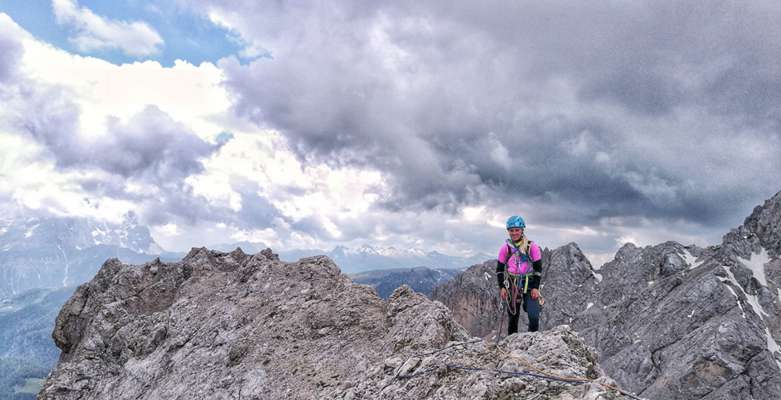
[(667, 321), (472, 298), (231, 325)]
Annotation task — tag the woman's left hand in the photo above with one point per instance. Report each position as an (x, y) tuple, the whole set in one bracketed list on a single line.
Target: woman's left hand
[(535, 294)]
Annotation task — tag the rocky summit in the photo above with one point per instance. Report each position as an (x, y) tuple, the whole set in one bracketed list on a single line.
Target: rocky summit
[(667, 321), (222, 325)]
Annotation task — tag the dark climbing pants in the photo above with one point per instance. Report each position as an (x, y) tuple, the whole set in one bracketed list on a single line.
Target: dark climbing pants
[(532, 309)]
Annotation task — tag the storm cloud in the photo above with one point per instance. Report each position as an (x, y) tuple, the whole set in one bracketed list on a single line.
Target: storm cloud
[(655, 109), (151, 146)]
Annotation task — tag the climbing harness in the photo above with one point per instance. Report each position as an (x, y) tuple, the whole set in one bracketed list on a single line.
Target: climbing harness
[(522, 259)]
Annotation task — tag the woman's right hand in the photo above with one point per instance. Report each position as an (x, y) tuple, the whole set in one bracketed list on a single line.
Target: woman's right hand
[(503, 293)]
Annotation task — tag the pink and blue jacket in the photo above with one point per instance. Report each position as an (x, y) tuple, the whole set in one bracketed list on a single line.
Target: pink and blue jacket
[(518, 263)]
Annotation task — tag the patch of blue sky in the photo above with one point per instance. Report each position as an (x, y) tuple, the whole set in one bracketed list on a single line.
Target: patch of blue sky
[(186, 36), (224, 137)]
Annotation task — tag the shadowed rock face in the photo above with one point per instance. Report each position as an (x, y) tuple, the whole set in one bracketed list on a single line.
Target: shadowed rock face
[(230, 325), (472, 297), (668, 321)]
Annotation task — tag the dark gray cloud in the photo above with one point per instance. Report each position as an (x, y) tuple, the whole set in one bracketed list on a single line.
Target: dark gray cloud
[(651, 109), (312, 226), (256, 211), (150, 146), (177, 202)]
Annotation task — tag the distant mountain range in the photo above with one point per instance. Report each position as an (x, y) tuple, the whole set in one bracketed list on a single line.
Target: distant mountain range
[(420, 279), (369, 258), (52, 252), (357, 260)]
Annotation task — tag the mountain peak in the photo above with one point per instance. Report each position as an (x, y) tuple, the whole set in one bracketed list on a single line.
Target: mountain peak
[(765, 223), (52, 251), (627, 251)]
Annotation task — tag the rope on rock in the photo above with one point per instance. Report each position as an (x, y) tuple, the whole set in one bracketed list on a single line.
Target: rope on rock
[(536, 373), (572, 379), (519, 373), (496, 371)]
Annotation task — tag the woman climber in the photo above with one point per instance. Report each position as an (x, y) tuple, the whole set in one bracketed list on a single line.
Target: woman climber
[(518, 269)]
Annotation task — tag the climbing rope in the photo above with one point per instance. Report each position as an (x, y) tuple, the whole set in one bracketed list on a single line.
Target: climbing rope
[(533, 371), (566, 378), (502, 304), (519, 373)]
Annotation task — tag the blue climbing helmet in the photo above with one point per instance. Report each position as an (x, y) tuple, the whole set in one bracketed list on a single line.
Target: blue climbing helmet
[(516, 221)]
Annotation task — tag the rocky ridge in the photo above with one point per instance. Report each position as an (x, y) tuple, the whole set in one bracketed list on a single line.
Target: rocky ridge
[(230, 325), (669, 321)]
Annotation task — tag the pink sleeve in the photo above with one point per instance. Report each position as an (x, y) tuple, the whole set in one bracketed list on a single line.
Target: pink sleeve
[(535, 252), (502, 254)]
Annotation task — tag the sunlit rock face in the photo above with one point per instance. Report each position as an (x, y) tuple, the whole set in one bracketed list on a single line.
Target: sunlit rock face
[(667, 321), (222, 325)]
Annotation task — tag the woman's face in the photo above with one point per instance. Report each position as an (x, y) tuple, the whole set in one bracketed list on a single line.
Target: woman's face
[(515, 234)]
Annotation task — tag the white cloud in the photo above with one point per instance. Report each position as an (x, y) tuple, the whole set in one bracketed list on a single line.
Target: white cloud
[(474, 213), (93, 32), (92, 95), (184, 91), (35, 184), (300, 191), (627, 239)]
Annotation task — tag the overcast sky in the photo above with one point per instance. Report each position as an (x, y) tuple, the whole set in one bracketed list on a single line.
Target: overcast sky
[(407, 124)]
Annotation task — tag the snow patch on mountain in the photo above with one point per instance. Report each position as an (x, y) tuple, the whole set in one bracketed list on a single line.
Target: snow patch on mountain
[(690, 259), (756, 263), (43, 251), (752, 300), (773, 347)]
